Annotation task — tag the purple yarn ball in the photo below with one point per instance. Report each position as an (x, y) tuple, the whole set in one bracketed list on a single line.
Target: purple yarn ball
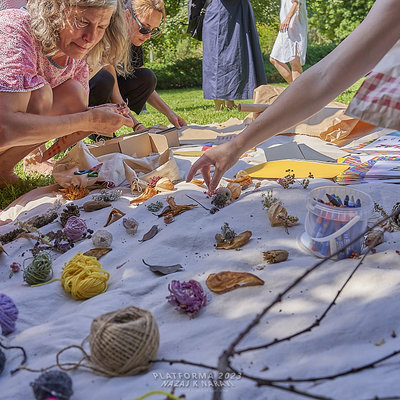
[(8, 314), (75, 228)]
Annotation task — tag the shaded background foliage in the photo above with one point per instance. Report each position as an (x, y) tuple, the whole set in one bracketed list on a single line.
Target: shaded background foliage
[(176, 58)]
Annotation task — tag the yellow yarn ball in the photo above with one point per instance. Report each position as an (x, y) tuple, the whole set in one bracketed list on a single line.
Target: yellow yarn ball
[(84, 277)]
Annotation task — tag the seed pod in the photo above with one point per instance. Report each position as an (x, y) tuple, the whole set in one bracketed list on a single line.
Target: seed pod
[(94, 205), (277, 214), (275, 256)]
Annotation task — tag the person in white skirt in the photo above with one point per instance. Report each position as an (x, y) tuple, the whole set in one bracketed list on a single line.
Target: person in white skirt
[(290, 46)]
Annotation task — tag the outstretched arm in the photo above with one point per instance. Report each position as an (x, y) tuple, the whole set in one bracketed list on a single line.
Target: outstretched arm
[(351, 60), (159, 104)]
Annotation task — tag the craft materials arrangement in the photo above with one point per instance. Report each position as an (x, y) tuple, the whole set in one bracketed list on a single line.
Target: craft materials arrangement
[(159, 279)]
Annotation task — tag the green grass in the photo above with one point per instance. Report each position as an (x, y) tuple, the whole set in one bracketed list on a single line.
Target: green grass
[(187, 103)]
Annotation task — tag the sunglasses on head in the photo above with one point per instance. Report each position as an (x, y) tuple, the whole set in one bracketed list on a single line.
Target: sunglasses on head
[(144, 30)]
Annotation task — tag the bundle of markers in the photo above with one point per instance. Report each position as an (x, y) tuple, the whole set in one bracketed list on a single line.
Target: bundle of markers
[(327, 220)]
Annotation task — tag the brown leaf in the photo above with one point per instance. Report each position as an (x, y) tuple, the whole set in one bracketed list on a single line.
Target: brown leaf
[(227, 280), (147, 194), (238, 241), (197, 182), (150, 234), (175, 209), (164, 184), (95, 205), (114, 215), (276, 214), (97, 252), (275, 256)]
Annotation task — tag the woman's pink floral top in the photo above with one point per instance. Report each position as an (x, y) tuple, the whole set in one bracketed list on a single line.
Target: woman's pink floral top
[(23, 65)]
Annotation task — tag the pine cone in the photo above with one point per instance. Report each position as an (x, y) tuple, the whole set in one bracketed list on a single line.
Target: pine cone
[(69, 211)]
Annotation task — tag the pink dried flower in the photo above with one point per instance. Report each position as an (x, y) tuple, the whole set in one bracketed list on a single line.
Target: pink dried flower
[(187, 297), (15, 267), (75, 228)]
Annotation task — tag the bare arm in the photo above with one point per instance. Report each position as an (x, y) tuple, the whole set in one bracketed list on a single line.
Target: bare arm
[(285, 23), (19, 128), (351, 60), (159, 104)]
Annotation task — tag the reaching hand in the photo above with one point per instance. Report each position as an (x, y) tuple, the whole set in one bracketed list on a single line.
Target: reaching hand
[(108, 118), (222, 157), (176, 120)]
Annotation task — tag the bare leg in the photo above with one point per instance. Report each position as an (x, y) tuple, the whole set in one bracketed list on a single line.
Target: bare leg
[(296, 67), (68, 98), (283, 69)]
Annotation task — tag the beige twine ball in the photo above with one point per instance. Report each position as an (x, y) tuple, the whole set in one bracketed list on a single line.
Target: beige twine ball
[(123, 342)]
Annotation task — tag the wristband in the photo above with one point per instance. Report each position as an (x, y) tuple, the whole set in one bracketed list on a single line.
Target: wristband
[(136, 125)]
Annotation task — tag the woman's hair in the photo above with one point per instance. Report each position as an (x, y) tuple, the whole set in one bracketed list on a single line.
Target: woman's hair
[(48, 18), (144, 8)]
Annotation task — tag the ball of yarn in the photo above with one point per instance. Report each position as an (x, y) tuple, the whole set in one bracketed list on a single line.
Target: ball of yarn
[(123, 342), (39, 270), (75, 228), (52, 384), (2, 361), (102, 238), (84, 277), (8, 314)]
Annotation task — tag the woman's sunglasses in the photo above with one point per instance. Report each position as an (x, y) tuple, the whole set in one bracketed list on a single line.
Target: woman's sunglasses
[(143, 29)]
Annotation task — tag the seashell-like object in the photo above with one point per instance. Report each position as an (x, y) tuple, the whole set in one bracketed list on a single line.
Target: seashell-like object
[(235, 189), (275, 214), (131, 225), (226, 192), (102, 238), (241, 174), (275, 256), (164, 185)]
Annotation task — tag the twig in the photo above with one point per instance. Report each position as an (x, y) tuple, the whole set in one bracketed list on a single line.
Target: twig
[(198, 202)]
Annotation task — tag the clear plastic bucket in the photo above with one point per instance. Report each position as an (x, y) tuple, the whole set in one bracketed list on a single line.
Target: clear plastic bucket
[(330, 228)]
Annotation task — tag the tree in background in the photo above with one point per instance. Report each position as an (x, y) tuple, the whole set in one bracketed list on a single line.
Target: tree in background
[(333, 20)]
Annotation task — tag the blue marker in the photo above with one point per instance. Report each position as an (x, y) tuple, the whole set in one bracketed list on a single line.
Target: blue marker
[(346, 200), (358, 203)]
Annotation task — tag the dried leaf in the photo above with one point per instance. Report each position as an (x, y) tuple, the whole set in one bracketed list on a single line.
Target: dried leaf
[(243, 180), (227, 280), (114, 215), (380, 343), (175, 209), (275, 256), (238, 241), (74, 192), (94, 205), (164, 185), (2, 249), (97, 252), (147, 194), (164, 269), (197, 182), (150, 234)]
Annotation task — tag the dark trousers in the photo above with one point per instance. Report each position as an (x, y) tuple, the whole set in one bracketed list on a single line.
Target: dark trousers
[(135, 89)]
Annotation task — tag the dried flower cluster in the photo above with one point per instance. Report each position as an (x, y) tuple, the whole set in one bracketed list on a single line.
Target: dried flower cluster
[(290, 179), (154, 207), (187, 297), (268, 199), (108, 195), (227, 234)]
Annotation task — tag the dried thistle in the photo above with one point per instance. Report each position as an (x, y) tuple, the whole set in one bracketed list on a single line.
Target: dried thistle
[(268, 199), (227, 234), (74, 192), (69, 211), (290, 179), (154, 207), (108, 195)]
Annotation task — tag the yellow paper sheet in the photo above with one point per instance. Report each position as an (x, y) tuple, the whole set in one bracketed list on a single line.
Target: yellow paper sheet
[(301, 169), (197, 153)]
